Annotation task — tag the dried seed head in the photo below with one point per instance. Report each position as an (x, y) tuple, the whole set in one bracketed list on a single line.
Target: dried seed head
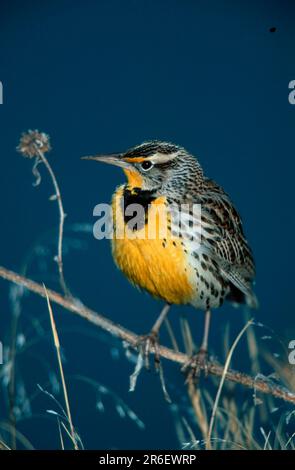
[(31, 142)]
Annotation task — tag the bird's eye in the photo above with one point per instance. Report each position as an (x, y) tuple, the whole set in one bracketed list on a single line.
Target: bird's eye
[(147, 165)]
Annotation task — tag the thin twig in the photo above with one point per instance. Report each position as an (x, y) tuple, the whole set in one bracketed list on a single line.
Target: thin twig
[(62, 217), (62, 376), (214, 368)]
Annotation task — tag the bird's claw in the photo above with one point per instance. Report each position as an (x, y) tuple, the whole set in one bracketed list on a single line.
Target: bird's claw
[(196, 364), (147, 343)]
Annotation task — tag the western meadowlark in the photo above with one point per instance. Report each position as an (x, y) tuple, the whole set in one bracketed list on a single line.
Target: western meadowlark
[(179, 268)]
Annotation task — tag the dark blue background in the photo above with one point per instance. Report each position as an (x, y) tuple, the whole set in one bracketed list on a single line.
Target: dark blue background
[(101, 76)]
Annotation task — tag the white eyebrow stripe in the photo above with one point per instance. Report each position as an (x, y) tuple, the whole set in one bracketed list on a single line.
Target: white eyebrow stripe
[(161, 157)]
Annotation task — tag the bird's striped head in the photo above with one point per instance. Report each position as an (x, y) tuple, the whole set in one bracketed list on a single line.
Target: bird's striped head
[(155, 166)]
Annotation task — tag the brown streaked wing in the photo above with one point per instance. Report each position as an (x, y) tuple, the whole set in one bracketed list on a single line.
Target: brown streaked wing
[(224, 239)]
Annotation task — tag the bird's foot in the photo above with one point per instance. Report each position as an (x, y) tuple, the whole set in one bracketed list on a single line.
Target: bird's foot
[(197, 363), (147, 343)]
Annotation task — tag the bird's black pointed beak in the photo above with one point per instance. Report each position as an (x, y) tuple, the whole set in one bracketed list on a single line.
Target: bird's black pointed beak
[(112, 159)]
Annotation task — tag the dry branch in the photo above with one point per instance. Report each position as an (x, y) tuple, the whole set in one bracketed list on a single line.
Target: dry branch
[(215, 369)]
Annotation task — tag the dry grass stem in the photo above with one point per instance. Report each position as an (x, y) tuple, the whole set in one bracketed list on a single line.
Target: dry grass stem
[(223, 378), (64, 387)]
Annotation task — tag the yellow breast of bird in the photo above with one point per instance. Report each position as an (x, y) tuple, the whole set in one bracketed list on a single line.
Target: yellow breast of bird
[(155, 263)]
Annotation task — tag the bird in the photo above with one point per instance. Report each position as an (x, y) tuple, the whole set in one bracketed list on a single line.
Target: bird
[(201, 262)]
